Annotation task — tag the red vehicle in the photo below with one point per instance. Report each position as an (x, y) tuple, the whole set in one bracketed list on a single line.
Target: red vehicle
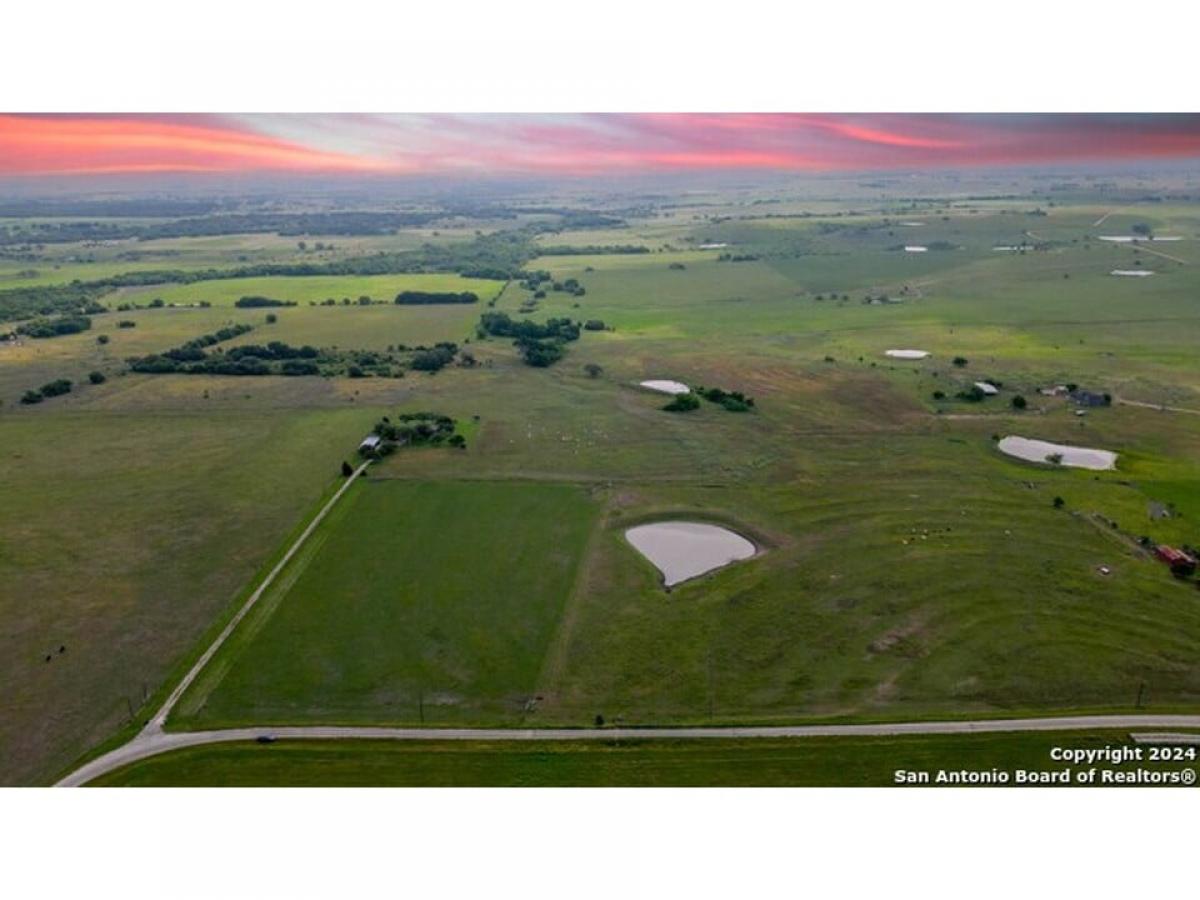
[(1180, 562)]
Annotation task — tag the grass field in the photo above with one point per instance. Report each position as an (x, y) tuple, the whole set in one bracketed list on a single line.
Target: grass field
[(910, 570), (125, 535), (305, 289), (428, 601), (806, 762)]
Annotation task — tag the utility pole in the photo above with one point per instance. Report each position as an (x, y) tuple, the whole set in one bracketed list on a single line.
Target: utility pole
[(421, 704), (1141, 691)]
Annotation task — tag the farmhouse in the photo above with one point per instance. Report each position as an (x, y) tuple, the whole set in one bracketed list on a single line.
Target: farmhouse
[(1090, 398), (987, 387), (370, 444)]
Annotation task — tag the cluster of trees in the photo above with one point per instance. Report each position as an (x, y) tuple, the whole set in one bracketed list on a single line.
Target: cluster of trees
[(434, 358), (427, 297), (255, 302), (500, 324), (594, 325), (683, 403), (738, 257), (417, 429), (249, 359), (733, 401), (540, 345), (53, 327), (280, 358), (54, 388), (536, 281)]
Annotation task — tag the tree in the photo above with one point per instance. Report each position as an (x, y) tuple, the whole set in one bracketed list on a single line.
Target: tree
[(1018, 402), (303, 245), (347, 469), (1059, 502), (593, 370), (960, 361), (272, 318), (96, 377), (102, 339), (939, 395), (683, 403)]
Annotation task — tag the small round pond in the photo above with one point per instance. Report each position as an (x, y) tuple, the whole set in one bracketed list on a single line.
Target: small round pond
[(682, 550)]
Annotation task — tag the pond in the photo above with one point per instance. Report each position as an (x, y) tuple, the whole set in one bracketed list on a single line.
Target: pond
[(682, 550), (665, 386), (1033, 450)]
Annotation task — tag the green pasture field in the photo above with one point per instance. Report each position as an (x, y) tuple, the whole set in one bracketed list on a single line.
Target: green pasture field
[(126, 533), (764, 762), (428, 601), (909, 569)]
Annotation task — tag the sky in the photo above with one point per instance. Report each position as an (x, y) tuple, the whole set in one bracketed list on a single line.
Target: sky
[(575, 145)]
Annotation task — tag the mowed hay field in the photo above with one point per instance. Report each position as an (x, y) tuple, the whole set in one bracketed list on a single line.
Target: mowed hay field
[(418, 601), (909, 570)]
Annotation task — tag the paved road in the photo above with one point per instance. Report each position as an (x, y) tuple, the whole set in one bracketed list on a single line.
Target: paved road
[(152, 741)]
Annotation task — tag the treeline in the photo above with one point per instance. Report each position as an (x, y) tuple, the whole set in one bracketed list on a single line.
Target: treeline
[(286, 224), (280, 358), (256, 302), (131, 207), (733, 401), (429, 297), (593, 250), (54, 388), (48, 328), (275, 358)]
